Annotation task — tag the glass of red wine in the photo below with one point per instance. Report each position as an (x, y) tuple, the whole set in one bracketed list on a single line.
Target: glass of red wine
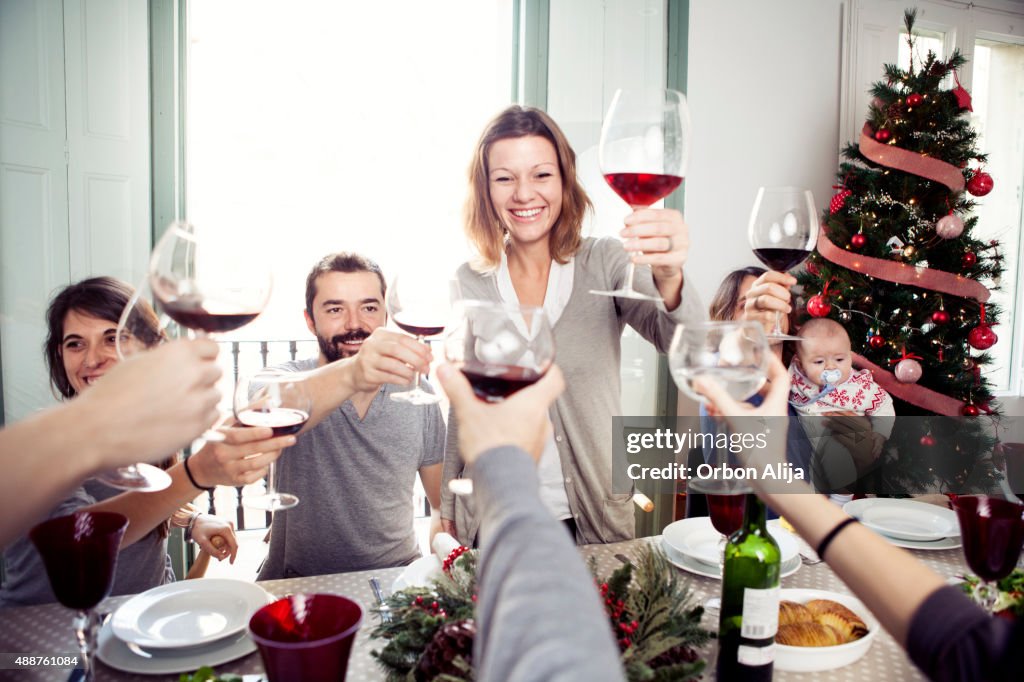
[(645, 142), (420, 303), (783, 231), (282, 401), (992, 532), (205, 281), (500, 348), (80, 555)]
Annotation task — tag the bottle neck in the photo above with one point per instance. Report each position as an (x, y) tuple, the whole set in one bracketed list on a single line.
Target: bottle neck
[(755, 514)]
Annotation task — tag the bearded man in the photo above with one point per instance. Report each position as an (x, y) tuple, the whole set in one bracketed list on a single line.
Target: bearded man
[(354, 465)]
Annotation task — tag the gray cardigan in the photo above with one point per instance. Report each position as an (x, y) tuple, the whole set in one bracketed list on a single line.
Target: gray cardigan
[(587, 349)]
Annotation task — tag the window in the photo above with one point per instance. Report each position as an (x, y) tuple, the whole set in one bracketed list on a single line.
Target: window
[(317, 126)]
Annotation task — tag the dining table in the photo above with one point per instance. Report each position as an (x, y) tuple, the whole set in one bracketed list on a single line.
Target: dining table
[(47, 629)]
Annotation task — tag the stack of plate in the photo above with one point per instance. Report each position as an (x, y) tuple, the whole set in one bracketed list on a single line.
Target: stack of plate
[(181, 626), (693, 545), (906, 523)]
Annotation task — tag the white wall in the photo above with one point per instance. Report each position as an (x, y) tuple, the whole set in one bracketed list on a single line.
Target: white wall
[(764, 80)]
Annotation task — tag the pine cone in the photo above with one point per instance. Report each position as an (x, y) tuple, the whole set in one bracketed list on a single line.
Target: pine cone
[(450, 641), (674, 656)]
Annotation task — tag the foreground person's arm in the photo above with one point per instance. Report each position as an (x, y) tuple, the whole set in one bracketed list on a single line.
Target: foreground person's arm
[(146, 407), (946, 635), (539, 616)]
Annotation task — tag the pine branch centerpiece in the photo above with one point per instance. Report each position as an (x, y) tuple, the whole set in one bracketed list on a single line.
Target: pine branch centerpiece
[(650, 611)]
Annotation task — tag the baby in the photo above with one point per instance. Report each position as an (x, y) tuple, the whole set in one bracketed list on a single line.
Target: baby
[(823, 382)]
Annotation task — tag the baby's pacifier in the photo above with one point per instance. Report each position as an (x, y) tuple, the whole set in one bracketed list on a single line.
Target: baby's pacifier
[(832, 376)]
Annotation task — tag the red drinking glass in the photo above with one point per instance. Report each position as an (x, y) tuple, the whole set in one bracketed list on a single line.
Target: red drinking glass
[(80, 555), (306, 637), (992, 532)]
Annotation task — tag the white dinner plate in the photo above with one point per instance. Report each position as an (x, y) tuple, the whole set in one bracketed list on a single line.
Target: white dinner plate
[(188, 613), (691, 565), (116, 654), (811, 658), (932, 545), (905, 519), (420, 573), (697, 539)]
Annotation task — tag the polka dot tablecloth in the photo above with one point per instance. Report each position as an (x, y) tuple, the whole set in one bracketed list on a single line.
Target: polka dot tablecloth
[(47, 629)]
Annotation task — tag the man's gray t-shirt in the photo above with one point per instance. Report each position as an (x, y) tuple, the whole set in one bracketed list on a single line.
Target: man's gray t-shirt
[(354, 479)]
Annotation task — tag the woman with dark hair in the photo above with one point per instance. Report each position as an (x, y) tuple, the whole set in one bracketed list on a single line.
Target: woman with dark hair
[(524, 218), (80, 348)]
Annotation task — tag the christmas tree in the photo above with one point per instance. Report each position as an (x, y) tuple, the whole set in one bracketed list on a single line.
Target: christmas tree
[(898, 264)]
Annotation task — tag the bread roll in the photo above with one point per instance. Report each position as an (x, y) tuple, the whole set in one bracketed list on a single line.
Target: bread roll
[(834, 614), (807, 634), (793, 612)]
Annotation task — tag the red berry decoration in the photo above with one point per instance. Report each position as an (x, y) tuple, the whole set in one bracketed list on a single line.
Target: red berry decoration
[(970, 259), (876, 341), (914, 100), (940, 317), (883, 135), (858, 241), (838, 201), (818, 306), (980, 184), (982, 337), (970, 410), (927, 440)]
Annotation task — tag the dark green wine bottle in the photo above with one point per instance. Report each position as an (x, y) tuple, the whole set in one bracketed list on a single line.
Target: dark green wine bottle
[(750, 599)]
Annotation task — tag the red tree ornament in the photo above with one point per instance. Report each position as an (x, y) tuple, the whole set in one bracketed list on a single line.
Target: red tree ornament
[(838, 200), (970, 410), (940, 317), (812, 267), (963, 98), (914, 99), (927, 440), (970, 259), (980, 184), (883, 134), (876, 341), (858, 241), (982, 337), (818, 306)]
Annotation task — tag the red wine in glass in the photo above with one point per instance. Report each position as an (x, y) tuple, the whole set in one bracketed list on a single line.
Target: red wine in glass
[(643, 189), (80, 555), (726, 512), (190, 312), (283, 421), (782, 260), (494, 383), (409, 327)]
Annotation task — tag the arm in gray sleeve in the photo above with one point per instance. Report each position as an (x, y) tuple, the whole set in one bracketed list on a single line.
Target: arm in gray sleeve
[(539, 616), (951, 638)]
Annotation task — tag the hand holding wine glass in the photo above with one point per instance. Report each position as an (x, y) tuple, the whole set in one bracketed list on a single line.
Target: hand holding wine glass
[(281, 401), (643, 153), (80, 555), (500, 348), (783, 231)]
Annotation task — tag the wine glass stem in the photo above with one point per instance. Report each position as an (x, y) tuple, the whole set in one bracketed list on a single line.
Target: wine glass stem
[(85, 631), (272, 480), (416, 373), (777, 331)]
